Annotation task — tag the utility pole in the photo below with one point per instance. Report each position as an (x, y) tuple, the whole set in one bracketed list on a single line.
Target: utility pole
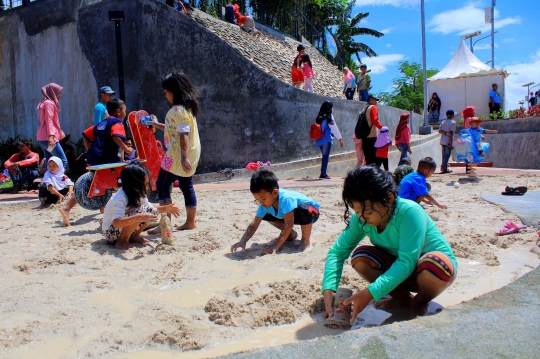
[(424, 61), (492, 34), (118, 16)]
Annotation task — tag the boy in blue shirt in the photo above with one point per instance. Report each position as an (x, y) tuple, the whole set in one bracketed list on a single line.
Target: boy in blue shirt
[(414, 186), (282, 209), (106, 94)]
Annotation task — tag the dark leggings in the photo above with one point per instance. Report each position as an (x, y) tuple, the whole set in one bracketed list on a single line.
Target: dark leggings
[(381, 161), (368, 145), (166, 179), (48, 196)]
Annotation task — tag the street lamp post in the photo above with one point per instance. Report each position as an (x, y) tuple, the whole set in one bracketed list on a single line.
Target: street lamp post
[(470, 36), (492, 34), (118, 16), (485, 37)]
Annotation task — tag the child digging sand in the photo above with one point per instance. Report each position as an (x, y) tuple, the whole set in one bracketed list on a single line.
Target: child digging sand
[(128, 212), (414, 187), (409, 253), (55, 185), (282, 209)]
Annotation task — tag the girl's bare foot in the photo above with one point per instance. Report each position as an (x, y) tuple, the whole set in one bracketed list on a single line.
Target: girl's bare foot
[(304, 245), (292, 236), (138, 239), (65, 216), (153, 231), (185, 227), (123, 245), (418, 310), (391, 303)]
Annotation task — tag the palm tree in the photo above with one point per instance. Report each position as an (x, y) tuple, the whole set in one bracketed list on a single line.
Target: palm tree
[(348, 28)]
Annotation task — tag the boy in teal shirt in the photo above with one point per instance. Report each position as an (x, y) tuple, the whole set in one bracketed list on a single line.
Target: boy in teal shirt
[(282, 209), (409, 253)]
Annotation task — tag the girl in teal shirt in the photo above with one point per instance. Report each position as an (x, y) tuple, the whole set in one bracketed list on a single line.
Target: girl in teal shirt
[(409, 253)]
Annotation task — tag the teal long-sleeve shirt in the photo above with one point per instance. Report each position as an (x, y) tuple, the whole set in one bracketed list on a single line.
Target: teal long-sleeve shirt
[(410, 234)]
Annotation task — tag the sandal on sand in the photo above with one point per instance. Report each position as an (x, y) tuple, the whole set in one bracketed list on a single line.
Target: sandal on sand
[(509, 228), (514, 191)]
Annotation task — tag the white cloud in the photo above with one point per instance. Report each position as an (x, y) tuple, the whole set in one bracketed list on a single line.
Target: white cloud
[(508, 40), (387, 30), (466, 20), (378, 65), (483, 47), (388, 45), (397, 3), (518, 75)]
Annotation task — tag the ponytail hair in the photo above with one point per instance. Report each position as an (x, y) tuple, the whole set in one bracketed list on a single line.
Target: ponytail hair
[(184, 93)]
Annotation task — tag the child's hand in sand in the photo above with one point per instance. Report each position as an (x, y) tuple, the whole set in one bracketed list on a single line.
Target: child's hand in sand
[(359, 301), (329, 297), (241, 245), (442, 206), (61, 198)]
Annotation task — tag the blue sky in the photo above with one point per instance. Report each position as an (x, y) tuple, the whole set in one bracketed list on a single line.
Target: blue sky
[(517, 43)]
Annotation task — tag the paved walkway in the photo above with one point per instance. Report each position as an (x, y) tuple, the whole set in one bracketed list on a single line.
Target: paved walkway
[(305, 182)]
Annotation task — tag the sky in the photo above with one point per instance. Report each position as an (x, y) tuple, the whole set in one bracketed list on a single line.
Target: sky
[(517, 43)]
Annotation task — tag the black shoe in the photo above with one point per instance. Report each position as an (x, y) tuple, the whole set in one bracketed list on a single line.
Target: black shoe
[(324, 177)]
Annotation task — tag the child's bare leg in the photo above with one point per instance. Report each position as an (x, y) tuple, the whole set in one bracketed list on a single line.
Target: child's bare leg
[(123, 241), (64, 211), (190, 220), (136, 237), (429, 287), (401, 297), (280, 225), (306, 234)]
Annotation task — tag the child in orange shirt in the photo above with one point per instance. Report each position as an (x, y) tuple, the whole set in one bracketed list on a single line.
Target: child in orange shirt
[(382, 145)]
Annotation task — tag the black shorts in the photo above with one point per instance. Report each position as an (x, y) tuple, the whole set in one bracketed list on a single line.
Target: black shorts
[(303, 214)]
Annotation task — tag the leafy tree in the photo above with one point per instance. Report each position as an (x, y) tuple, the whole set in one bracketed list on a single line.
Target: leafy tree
[(347, 29), (408, 91)]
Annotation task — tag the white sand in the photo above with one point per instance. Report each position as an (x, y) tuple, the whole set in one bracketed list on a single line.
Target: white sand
[(65, 293)]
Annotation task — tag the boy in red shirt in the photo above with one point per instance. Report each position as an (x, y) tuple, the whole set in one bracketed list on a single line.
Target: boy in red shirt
[(22, 167)]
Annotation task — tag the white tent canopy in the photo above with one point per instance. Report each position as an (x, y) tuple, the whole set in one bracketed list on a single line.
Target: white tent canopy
[(465, 81)]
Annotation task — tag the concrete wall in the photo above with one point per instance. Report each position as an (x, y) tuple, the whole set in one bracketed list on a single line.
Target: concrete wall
[(517, 145), (39, 44), (245, 115)]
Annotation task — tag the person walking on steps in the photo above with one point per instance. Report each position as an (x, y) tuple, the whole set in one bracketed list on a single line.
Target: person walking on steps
[(329, 129), (368, 143), (364, 83)]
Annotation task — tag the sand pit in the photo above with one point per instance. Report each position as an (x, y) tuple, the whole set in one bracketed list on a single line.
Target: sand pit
[(68, 294)]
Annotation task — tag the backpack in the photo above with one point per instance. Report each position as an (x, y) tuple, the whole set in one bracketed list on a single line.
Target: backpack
[(362, 129), (316, 130)]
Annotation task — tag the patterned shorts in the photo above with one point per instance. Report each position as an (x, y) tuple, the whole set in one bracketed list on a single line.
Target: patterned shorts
[(112, 234), (437, 263)]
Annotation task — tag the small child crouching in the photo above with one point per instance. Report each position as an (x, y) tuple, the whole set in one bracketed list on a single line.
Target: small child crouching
[(401, 171), (282, 209), (414, 186), (55, 186), (128, 212)]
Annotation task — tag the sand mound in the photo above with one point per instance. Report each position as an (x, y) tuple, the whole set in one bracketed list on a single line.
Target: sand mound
[(283, 303)]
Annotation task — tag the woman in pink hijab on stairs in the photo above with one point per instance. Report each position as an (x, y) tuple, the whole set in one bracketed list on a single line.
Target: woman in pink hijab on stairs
[(49, 132)]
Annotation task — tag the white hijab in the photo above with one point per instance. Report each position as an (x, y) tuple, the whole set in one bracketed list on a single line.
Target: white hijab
[(58, 180)]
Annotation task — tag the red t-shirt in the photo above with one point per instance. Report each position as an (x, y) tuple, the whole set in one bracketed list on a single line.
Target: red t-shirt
[(383, 152)]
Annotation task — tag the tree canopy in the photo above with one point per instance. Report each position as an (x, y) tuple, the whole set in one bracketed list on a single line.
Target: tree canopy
[(408, 93)]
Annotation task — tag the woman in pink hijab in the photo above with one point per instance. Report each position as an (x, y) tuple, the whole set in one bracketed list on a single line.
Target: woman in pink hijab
[(49, 132), (350, 83)]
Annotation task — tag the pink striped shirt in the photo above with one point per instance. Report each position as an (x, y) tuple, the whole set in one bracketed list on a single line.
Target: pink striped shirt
[(49, 124)]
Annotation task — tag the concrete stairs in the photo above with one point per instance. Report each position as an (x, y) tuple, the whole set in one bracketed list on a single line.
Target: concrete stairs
[(274, 53), (339, 163)]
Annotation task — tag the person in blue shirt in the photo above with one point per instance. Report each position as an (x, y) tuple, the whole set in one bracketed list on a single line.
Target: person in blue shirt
[(494, 99), (106, 93), (282, 209), (414, 186)]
